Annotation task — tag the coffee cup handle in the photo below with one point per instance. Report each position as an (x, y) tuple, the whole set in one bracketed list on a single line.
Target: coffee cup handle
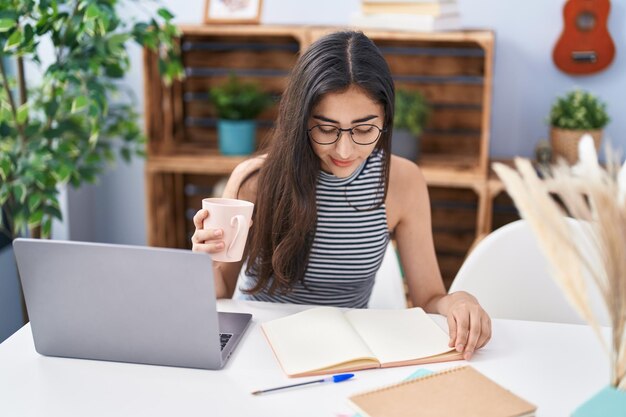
[(241, 223)]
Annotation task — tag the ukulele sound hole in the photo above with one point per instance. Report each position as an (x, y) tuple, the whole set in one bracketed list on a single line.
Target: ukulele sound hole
[(586, 21)]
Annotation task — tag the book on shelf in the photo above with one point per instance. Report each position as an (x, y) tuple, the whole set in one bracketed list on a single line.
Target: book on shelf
[(408, 22), (461, 391), (431, 8), (325, 340)]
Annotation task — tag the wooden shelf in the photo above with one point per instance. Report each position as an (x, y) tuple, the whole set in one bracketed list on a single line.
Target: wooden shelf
[(452, 172), (210, 164)]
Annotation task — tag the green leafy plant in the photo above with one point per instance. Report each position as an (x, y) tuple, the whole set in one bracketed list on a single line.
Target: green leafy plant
[(578, 110), (236, 100), (411, 111), (68, 127)]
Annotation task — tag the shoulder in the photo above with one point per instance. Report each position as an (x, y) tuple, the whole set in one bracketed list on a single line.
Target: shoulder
[(243, 180), (404, 174), (407, 189)]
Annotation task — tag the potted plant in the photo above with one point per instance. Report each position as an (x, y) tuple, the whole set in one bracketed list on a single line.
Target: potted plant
[(410, 116), (237, 104), (573, 115), (67, 127)]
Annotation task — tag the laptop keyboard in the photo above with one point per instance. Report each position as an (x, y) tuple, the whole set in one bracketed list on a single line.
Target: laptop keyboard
[(224, 338)]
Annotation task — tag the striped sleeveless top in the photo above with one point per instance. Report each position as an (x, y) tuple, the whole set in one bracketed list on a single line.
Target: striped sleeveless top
[(349, 244)]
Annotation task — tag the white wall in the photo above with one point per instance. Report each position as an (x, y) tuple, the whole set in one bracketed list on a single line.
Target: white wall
[(525, 84)]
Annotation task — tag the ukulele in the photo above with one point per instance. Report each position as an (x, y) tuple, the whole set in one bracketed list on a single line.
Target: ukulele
[(585, 46)]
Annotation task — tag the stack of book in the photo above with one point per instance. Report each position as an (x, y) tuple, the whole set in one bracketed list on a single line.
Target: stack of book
[(414, 15)]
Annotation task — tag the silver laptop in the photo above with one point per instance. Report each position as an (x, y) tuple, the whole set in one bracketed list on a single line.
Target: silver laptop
[(125, 303)]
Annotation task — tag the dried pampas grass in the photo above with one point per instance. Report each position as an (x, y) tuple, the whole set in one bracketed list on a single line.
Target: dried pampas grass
[(593, 247)]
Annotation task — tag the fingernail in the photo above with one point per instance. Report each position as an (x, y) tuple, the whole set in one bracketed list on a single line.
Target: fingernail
[(219, 245), (468, 355), (217, 233), (459, 347)]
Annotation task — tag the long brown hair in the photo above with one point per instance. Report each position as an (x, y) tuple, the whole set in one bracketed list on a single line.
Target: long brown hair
[(286, 211)]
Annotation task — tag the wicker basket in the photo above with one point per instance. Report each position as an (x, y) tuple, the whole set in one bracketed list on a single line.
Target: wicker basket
[(565, 142)]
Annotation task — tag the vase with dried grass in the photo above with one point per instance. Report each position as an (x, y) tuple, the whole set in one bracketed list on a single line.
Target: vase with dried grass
[(596, 197)]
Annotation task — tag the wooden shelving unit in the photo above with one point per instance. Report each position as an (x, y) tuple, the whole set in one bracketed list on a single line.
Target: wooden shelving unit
[(454, 70)]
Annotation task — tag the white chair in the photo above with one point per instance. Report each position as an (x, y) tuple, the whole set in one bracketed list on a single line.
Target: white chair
[(388, 291), (509, 275)]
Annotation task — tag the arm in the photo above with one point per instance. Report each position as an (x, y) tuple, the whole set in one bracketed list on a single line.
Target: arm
[(209, 240), (408, 209)]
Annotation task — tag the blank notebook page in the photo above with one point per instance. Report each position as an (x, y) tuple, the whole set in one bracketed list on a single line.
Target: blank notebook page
[(314, 339), (399, 335)]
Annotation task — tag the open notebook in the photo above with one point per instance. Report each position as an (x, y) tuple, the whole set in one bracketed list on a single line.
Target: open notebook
[(326, 340)]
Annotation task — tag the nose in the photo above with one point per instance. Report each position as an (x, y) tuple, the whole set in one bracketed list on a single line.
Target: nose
[(344, 145)]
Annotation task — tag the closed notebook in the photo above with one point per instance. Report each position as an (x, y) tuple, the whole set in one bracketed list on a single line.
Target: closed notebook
[(327, 340), (461, 391)]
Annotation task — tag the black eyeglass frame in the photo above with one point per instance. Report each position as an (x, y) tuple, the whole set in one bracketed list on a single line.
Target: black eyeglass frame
[(348, 129)]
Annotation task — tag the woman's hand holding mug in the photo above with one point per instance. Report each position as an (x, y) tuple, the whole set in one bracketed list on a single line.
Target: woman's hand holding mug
[(206, 240), (222, 228)]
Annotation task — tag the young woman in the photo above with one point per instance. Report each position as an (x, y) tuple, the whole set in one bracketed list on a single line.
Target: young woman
[(328, 193)]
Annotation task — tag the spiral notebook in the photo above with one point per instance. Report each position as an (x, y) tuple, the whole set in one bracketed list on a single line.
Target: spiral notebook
[(461, 391)]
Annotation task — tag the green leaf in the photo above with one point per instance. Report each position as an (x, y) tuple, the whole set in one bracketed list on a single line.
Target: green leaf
[(19, 220), (34, 201), (118, 40), (93, 138), (50, 108), (92, 12), (79, 104), (5, 168), (7, 24), (46, 227), (41, 180), (109, 155), (53, 211), (20, 191), (126, 155), (28, 33), (22, 113), (165, 14), (62, 173), (5, 113), (14, 40), (4, 194), (93, 159), (35, 218), (114, 71)]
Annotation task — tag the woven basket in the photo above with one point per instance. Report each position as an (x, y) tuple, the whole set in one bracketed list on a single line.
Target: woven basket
[(565, 142)]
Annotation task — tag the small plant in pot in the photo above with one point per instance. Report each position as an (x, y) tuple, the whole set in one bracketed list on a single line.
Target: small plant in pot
[(237, 105), (411, 114), (571, 116)]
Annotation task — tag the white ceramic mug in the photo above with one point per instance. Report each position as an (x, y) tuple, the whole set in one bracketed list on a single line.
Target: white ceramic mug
[(233, 217)]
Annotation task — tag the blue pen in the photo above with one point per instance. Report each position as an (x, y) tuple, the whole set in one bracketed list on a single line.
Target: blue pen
[(334, 378)]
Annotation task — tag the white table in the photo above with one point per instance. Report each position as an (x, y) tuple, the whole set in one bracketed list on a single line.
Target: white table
[(556, 366)]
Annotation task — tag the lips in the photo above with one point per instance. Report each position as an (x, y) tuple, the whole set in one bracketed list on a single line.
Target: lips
[(341, 163)]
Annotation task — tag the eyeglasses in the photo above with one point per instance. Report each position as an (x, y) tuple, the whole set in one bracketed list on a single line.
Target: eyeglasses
[(364, 134)]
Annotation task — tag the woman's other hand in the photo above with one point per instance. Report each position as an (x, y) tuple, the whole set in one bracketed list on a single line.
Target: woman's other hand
[(469, 325)]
